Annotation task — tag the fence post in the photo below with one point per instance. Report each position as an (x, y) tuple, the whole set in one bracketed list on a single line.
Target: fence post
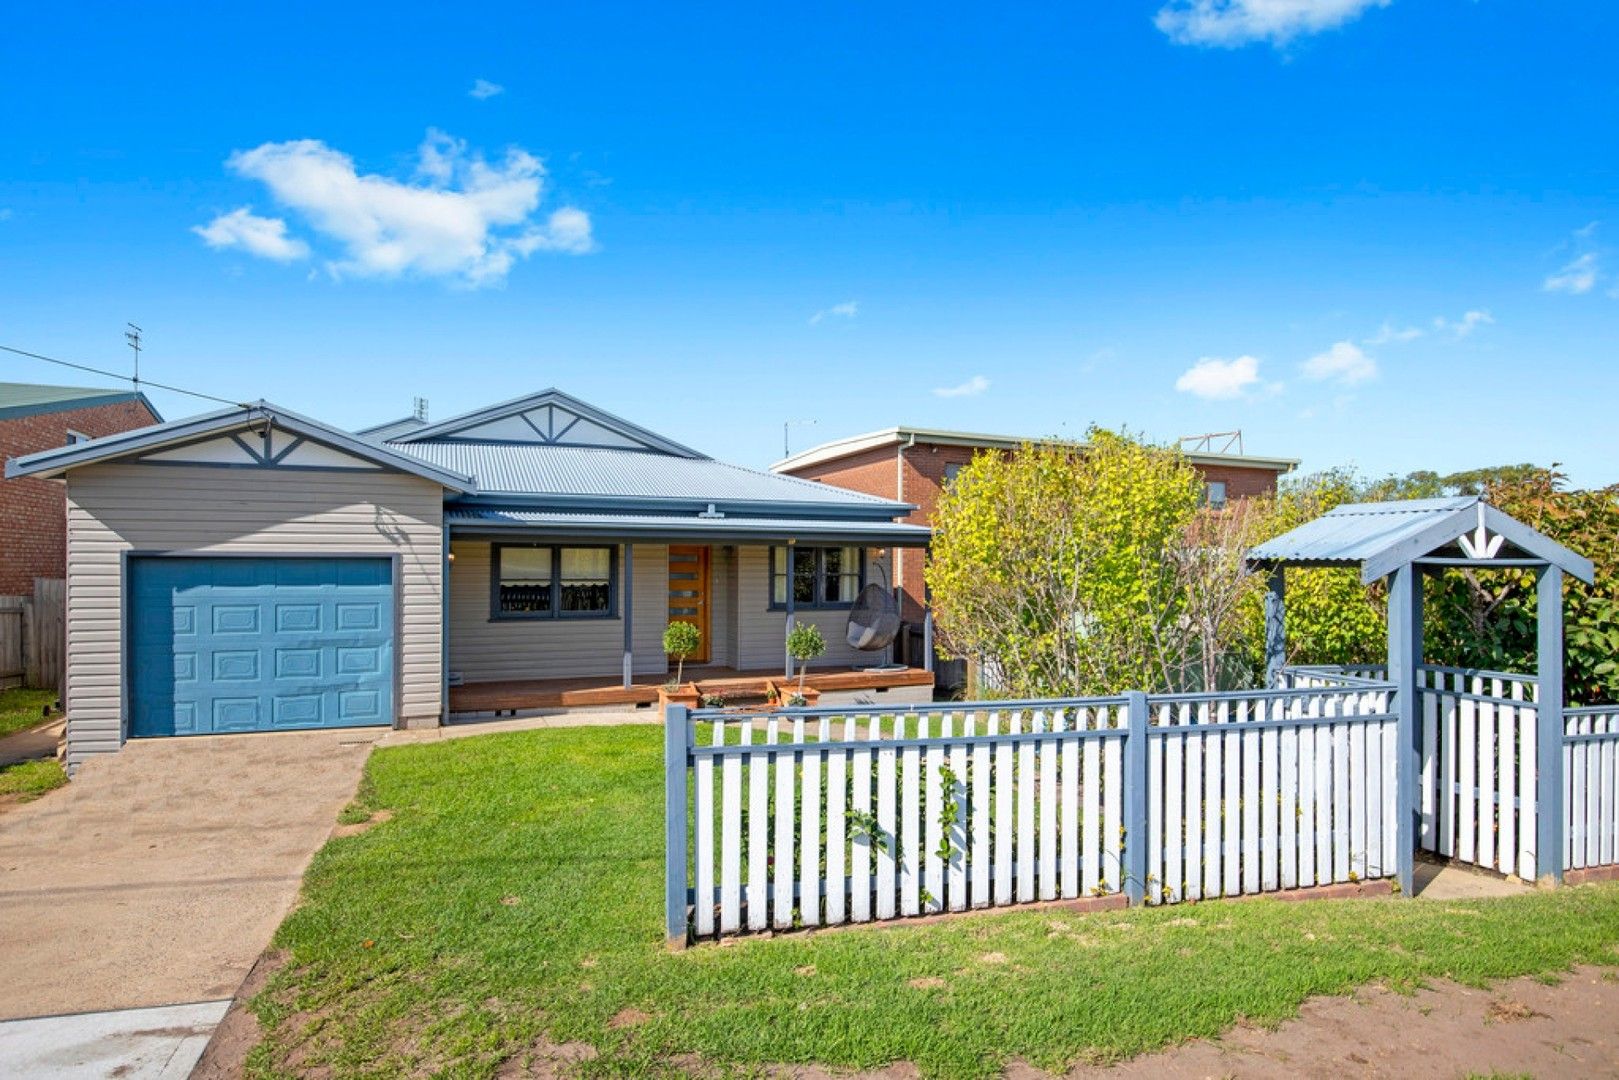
[(1550, 794), (676, 743), (1275, 627), (1135, 799), (1405, 654)]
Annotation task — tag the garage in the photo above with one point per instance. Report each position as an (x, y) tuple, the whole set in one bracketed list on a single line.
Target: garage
[(259, 643)]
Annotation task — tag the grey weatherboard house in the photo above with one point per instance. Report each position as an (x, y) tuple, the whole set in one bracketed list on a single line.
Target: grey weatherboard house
[(255, 570)]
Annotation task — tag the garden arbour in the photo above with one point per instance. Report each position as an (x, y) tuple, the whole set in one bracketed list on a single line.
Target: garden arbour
[(1330, 776)]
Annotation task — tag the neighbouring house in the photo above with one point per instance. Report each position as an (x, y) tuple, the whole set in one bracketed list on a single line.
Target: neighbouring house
[(33, 518), (256, 570), (912, 465)]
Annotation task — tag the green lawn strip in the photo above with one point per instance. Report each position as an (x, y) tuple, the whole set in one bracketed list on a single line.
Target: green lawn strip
[(21, 709), (28, 780), (516, 895)]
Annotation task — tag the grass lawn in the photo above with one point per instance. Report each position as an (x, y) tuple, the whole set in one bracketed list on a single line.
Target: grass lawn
[(514, 901), (20, 708), (28, 780)]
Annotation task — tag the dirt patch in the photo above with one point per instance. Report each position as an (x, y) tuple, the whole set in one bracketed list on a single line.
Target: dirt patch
[(627, 1018), (927, 982), (545, 1061), (355, 828), (1521, 1026), (225, 1056)]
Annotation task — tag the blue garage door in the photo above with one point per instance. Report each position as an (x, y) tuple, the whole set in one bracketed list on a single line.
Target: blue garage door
[(259, 644)]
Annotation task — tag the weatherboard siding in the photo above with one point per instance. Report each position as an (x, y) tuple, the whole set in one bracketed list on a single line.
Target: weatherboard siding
[(483, 649), (762, 633), (120, 507)]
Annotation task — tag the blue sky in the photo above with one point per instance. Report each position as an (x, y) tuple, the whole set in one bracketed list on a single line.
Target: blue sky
[(1381, 234)]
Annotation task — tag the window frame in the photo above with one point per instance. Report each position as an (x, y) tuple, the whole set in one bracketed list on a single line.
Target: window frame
[(555, 611), (1208, 494), (778, 569)]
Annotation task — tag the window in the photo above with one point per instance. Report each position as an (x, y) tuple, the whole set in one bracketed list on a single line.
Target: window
[(533, 582), (951, 471), (1214, 495), (823, 577)]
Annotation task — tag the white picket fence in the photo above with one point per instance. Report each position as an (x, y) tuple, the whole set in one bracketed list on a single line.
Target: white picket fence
[(1254, 793), (816, 817), (1590, 762), (1478, 779)]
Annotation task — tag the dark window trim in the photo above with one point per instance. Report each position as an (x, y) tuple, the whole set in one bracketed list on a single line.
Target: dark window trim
[(820, 577), (556, 612)]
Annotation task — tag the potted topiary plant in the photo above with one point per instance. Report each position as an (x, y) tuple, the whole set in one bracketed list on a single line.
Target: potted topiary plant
[(681, 640), (804, 643)]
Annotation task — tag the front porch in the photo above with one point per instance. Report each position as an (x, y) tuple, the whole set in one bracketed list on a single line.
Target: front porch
[(841, 685)]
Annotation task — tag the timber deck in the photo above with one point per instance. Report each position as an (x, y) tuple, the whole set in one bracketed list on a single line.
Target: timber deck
[(523, 695)]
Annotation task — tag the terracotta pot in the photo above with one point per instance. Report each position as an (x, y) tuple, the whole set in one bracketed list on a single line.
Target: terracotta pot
[(685, 694)]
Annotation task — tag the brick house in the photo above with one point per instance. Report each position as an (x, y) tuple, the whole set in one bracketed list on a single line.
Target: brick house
[(912, 465), (33, 514)]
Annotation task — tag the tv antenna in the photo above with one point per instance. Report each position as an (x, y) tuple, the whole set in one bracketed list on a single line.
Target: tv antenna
[(133, 335), (787, 426)]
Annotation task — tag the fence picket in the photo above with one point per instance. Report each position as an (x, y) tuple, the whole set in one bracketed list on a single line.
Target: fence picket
[(958, 830), (810, 845), (1155, 885), (1213, 851), (837, 826), (1048, 796), (887, 837), (910, 825), (1342, 803), (1232, 804), (1113, 803), (1192, 743), (1486, 783), (1528, 722), (1025, 811), (758, 829), (1447, 775), (1291, 784), (1429, 834), (1252, 802), (703, 840), (1358, 775), (860, 847), (1323, 795), (1174, 816), (1069, 862), (1005, 828), (981, 803), (785, 763), (933, 827), (1091, 816), (1506, 791)]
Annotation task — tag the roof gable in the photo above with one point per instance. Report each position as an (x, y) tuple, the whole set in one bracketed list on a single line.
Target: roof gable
[(260, 434), (1381, 537), (18, 400), (548, 418)]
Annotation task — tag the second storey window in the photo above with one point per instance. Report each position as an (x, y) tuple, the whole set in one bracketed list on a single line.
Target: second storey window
[(823, 577), (546, 582), (1214, 495)]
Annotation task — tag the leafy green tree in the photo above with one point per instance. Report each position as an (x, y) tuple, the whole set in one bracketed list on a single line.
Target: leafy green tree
[(1053, 565)]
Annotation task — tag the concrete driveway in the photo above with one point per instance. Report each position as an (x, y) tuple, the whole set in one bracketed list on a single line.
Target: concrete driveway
[(159, 874)]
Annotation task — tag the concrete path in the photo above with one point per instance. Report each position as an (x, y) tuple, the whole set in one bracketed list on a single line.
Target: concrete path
[(132, 1044), (159, 874), (39, 741)]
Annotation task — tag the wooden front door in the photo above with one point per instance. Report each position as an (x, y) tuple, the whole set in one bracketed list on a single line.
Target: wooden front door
[(688, 594)]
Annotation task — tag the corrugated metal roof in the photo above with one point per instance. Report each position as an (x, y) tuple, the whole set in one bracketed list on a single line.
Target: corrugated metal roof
[(681, 526), (572, 471), (1354, 532)]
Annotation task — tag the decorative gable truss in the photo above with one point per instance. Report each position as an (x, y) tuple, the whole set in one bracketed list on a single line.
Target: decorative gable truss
[(549, 418), (268, 449)]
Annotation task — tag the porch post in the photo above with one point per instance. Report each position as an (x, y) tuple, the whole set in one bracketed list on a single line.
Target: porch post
[(1405, 654), (792, 566), (1549, 824), (629, 615), (1275, 627)]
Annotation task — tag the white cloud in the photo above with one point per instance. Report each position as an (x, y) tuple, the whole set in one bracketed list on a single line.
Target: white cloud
[(1469, 322), (1218, 380), (1229, 24), (261, 236), (1577, 276), (971, 388), (483, 89), (1388, 333), (1343, 363), (461, 218), (846, 310)]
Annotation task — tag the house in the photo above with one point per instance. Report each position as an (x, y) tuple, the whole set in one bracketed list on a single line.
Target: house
[(256, 570), (912, 465), (32, 511)]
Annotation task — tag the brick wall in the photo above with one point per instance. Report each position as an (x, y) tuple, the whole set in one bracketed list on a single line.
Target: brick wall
[(920, 479), (33, 512)]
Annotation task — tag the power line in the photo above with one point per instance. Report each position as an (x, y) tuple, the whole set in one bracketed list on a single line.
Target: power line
[(122, 378)]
